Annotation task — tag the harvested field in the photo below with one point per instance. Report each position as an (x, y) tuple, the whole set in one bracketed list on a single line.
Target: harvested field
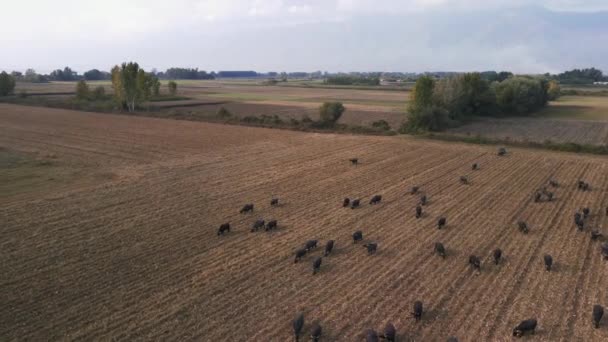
[(539, 130), (136, 256)]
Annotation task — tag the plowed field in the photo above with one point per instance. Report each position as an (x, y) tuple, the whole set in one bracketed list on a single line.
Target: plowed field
[(135, 255)]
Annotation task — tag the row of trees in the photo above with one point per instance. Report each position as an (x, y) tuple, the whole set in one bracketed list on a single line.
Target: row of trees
[(352, 80), (7, 84), (185, 74), (582, 76), (436, 105)]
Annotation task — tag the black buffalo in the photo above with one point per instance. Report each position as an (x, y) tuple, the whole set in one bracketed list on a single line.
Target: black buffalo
[(329, 247), (538, 197), (390, 333), (247, 208), (553, 183), (310, 244), (376, 199), (439, 249), (598, 312), (548, 262), (418, 211), (316, 265), (452, 339), (357, 236), (346, 202), (371, 248), (271, 225), (300, 253), (475, 167), (315, 332), (354, 161), (414, 190), (475, 262), (259, 224), (523, 227), (371, 336), (605, 250), (274, 202), (417, 310), (298, 324), (497, 255), (502, 151), (586, 212), (423, 200), (524, 327), (595, 235), (355, 203), (442, 222), (464, 180), (224, 228)]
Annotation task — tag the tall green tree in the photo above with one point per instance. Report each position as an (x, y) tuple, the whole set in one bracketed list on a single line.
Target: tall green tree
[(422, 94), (131, 85), (7, 84), (330, 112), (82, 90), (172, 88)]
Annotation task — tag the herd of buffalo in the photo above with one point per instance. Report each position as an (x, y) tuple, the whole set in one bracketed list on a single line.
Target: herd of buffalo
[(390, 332)]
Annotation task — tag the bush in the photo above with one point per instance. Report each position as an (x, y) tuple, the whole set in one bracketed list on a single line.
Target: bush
[(7, 84), (381, 125), (99, 93), (223, 113), (431, 118), (172, 88), (520, 95), (330, 112), (553, 91), (82, 90)]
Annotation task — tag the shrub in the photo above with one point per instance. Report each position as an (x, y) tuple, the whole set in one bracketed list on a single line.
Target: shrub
[(99, 93), (223, 113), (520, 95), (7, 84), (330, 112), (172, 88), (381, 125), (431, 118), (82, 90)]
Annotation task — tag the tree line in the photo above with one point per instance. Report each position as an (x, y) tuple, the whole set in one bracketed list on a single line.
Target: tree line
[(352, 80), (439, 104)]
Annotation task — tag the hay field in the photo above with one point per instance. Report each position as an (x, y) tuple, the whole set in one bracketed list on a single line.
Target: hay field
[(135, 255)]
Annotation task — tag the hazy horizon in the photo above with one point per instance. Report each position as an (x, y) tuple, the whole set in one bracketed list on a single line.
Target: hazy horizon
[(522, 36)]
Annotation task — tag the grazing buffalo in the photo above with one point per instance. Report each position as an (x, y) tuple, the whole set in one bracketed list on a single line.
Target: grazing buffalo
[(502, 151), (417, 310), (371, 248), (497, 255), (452, 339), (310, 244), (300, 253), (524, 327), (442, 222), (390, 333), (357, 236), (376, 199), (354, 161), (538, 197), (259, 224), (598, 312), (247, 208), (423, 200), (549, 195), (315, 332), (523, 227), (274, 202), (224, 228), (595, 235), (298, 324), (606, 210), (475, 262), (605, 251), (464, 180), (586, 212), (582, 185), (418, 211), (346, 202), (553, 183), (371, 336), (439, 249), (316, 265), (548, 262), (329, 247), (271, 225), (414, 190), (475, 167), (355, 203)]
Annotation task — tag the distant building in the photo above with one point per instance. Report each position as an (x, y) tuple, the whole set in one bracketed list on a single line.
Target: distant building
[(600, 83)]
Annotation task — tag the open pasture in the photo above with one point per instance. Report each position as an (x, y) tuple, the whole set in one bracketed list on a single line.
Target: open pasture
[(135, 255)]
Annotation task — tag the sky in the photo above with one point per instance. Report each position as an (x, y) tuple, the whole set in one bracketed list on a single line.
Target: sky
[(523, 36)]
